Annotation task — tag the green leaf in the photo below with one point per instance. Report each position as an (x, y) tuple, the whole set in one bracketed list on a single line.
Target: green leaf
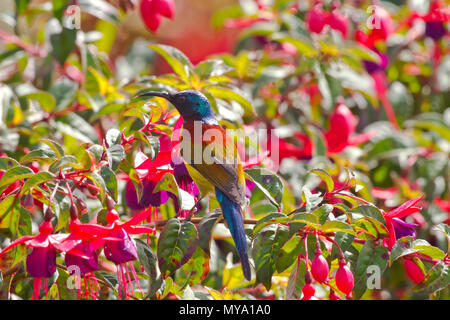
[(14, 174), (307, 218), (113, 136), (296, 281), (168, 183), (312, 199), (110, 181), (75, 126), (436, 279), (402, 247), (370, 255), (176, 59), (149, 261), (45, 99), (98, 181), (6, 163), (232, 94), (7, 208), (323, 212), (115, 154), (21, 6), (445, 229), (176, 245), (63, 44), (271, 218), (269, 183), (303, 45), (337, 226), (57, 148), (344, 241), (325, 177), (266, 247), (38, 178), (100, 9), (205, 228), (208, 68), (39, 154), (65, 161), (197, 268), (289, 253)]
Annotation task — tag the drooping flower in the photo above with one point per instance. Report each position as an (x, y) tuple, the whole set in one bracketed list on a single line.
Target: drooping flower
[(84, 266), (342, 128), (396, 228), (434, 19), (121, 249), (153, 11), (41, 262)]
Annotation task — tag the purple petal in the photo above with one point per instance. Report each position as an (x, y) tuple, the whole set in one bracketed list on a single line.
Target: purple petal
[(41, 262), (120, 251)]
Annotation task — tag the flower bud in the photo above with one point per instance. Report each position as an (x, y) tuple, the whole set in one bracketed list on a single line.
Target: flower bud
[(73, 212), (319, 268), (413, 271), (308, 291), (81, 206), (344, 278)]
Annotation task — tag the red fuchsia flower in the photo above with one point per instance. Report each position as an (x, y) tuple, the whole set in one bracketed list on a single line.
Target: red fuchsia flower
[(121, 249), (316, 18), (376, 70), (413, 271), (396, 227), (41, 262), (303, 152), (84, 267), (382, 25), (434, 19), (152, 12), (13, 186), (444, 206), (338, 21), (342, 128)]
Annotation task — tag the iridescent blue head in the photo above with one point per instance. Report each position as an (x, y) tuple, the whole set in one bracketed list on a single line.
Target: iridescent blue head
[(191, 104)]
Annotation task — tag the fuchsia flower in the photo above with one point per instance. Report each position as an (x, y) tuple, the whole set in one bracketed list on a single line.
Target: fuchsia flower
[(342, 128), (397, 228), (317, 18), (153, 11), (121, 249), (41, 262), (435, 20)]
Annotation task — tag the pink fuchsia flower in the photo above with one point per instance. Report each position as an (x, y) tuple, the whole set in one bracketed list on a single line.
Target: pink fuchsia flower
[(342, 128), (396, 228), (382, 25), (84, 265), (121, 249), (434, 19), (339, 22), (41, 262), (316, 18), (153, 11)]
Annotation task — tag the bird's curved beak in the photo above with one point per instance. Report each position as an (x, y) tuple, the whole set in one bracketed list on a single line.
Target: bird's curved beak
[(164, 95)]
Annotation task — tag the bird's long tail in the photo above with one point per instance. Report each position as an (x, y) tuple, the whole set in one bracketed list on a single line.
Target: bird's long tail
[(232, 214)]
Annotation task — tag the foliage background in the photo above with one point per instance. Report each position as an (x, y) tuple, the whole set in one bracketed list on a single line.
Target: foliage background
[(258, 67)]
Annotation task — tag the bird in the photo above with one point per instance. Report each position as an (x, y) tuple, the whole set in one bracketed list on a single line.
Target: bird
[(218, 172)]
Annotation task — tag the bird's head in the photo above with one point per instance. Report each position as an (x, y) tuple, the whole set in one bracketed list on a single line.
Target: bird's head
[(191, 104)]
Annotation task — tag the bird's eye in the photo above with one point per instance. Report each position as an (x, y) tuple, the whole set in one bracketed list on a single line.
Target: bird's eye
[(182, 98)]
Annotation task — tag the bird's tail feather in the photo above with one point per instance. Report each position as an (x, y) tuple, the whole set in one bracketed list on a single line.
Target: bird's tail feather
[(232, 214)]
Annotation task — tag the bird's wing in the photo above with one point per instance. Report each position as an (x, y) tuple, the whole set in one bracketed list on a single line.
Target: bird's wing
[(222, 167)]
